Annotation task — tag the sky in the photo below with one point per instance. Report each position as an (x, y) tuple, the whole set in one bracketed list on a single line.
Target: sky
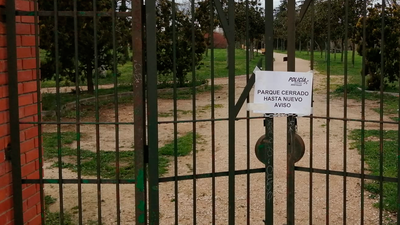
[(276, 3)]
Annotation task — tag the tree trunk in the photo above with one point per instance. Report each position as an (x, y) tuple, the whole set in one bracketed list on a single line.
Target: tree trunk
[(341, 58), (354, 53), (322, 51), (300, 46), (251, 50), (181, 79), (89, 78), (277, 44), (227, 57), (206, 50), (334, 49), (257, 47)]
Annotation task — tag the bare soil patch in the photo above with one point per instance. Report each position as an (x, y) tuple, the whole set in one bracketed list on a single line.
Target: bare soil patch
[(204, 155)]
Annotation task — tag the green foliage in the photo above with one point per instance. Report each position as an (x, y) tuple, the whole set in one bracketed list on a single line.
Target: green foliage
[(280, 21), (107, 159), (350, 89), (220, 69), (335, 67), (249, 12), (189, 48), (373, 44), (372, 158), (50, 101), (184, 144), (390, 102), (316, 21), (86, 42), (203, 17), (48, 200), (53, 218)]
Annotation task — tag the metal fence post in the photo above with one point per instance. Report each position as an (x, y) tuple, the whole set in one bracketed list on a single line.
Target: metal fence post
[(291, 119), (139, 137), (269, 121), (14, 111)]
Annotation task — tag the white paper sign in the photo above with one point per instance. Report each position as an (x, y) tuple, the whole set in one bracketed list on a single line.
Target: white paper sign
[(282, 93)]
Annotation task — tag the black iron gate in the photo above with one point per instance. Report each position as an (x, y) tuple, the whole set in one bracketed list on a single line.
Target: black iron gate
[(147, 121)]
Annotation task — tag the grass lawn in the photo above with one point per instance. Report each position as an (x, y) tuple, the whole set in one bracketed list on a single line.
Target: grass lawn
[(50, 100), (125, 83), (390, 102), (220, 65), (88, 108), (372, 156), (108, 158), (336, 66), (220, 69)]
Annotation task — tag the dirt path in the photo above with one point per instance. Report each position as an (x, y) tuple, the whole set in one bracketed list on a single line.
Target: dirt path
[(72, 88), (257, 181)]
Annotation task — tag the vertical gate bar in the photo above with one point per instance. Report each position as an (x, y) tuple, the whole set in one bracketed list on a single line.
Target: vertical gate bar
[(77, 107), (144, 107), (212, 110), (175, 113), (291, 127), (138, 102), (39, 109), (194, 113), (269, 35), (269, 171), (116, 114), (152, 111), (364, 51), (398, 155), (328, 83), (269, 121), (291, 120), (311, 119), (14, 111), (291, 45), (58, 100), (96, 92), (346, 32), (381, 114), (231, 89), (247, 115)]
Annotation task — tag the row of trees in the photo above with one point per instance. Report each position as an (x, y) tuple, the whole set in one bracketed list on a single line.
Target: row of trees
[(335, 15), (97, 36), (321, 17)]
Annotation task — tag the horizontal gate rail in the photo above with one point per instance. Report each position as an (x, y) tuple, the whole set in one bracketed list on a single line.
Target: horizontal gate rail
[(71, 13), (216, 174), (215, 120)]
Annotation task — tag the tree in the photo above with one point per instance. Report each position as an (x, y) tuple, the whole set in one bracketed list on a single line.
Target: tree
[(280, 24), (373, 43), (184, 46), (207, 24), (249, 12), (86, 42)]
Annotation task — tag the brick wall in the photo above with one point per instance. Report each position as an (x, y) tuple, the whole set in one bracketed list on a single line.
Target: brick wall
[(28, 112)]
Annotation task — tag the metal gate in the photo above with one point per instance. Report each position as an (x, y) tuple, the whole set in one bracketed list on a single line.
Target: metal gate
[(229, 187)]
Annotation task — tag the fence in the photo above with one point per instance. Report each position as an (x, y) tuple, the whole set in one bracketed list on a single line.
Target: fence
[(185, 155)]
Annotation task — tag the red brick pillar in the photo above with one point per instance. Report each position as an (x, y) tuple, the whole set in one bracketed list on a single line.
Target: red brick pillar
[(28, 112)]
